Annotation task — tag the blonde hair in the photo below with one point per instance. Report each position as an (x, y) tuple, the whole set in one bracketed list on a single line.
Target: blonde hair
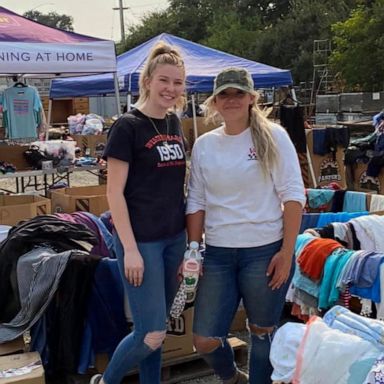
[(261, 132), (161, 53)]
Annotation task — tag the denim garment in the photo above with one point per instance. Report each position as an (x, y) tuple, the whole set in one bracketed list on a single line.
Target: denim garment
[(319, 142), (309, 220), (230, 274), (106, 324), (150, 304), (38, 272)]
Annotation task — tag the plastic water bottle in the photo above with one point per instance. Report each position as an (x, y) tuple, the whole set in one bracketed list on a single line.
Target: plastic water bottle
[(191, 270)]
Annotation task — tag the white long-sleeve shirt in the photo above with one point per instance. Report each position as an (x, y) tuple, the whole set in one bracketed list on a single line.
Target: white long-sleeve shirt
[(242, 207)]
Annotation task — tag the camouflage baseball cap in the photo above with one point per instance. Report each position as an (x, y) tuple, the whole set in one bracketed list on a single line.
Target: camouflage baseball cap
[(233, 78)]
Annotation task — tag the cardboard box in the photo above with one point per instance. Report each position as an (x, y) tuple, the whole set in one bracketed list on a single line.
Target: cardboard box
[(14, 154), (27, 369), (364, 183), (325, 168), (14, 208), (90, 199), (239, 322), (101, 362), (91, 145), (179, 340), (13, 346), (188, 130)]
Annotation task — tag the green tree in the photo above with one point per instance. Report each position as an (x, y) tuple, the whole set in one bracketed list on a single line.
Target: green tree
[(204, 21), (279, 33), (51, 19), (229, 32), (151, 25), (359, 48), (289, 42)]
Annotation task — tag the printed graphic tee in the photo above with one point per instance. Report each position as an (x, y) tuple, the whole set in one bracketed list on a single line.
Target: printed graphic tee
[(21, 109), (154, 191)]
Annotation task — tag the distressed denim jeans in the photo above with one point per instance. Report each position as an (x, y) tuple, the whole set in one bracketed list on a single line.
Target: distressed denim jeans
[(150, 304), (231, 274)]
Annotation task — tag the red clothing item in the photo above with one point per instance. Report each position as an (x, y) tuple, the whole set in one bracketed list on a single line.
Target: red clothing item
[(296, 311), (312, 258)]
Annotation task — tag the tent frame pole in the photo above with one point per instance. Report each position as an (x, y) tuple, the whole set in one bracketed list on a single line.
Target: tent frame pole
[(117, 94), (129, 101), (195, 131), (49, 118)]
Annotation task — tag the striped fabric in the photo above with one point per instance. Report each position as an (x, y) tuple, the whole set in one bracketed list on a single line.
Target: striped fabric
[(38, 274)]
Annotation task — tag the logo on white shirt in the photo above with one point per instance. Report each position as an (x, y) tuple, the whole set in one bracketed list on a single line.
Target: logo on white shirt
[(252, 154)]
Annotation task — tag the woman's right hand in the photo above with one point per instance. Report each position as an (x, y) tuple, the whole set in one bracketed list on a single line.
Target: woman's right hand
[(133, 267)]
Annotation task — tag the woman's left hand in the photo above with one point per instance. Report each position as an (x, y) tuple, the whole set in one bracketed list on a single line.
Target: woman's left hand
[(279, 269)]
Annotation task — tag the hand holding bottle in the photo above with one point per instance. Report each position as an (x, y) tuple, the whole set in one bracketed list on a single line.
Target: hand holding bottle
[(191, 270)]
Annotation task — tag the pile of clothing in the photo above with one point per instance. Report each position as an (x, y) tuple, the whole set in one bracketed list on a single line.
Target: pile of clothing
[(340, 348), (6, 167), (47, 269), (368, 150), (90, 124), (337, 261)]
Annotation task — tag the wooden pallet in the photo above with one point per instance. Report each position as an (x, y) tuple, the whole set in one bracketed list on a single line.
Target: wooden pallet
[(192, 366)]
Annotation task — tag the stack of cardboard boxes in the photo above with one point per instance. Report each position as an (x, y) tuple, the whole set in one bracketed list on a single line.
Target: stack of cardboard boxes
[(14, 208)]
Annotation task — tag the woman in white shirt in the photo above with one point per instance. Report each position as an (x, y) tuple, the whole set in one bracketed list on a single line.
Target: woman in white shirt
[(246, 192)]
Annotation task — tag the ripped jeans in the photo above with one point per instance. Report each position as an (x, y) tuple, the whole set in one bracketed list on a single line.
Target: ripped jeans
[(231, 274), (150, 304)]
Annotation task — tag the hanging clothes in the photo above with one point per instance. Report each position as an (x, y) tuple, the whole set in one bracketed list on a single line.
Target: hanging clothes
[(292, 119), (376, 162), (327, 140), (21, 112)]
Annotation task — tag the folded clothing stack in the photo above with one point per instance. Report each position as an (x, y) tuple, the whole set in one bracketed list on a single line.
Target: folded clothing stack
[(6, 167)]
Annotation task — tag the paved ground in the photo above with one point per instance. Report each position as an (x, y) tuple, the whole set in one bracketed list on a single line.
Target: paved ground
[(76, 179)]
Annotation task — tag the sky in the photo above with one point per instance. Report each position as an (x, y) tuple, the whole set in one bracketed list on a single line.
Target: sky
[(91, 17)]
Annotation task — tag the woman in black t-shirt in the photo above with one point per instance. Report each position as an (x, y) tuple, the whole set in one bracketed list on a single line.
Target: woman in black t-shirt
[(146, 170)]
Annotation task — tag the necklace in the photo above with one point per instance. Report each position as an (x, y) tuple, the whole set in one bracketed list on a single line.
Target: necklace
[(165, 141)]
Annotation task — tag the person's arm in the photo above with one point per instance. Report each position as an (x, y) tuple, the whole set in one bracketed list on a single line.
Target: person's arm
[(280, 265), (117, 177), (195, 200), (293, 212), (195, 225), (290, 188)]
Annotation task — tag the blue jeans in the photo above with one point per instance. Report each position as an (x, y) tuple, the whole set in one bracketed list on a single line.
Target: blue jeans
[(150, 304), (231, 274)]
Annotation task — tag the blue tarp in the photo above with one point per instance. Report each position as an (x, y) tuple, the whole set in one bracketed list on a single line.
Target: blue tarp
[(202, 64)]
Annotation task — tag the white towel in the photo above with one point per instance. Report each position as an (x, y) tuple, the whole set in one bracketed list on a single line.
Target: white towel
[(369, 231), (377, 203)]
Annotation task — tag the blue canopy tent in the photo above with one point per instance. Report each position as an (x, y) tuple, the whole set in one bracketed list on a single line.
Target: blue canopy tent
[(202, 64)]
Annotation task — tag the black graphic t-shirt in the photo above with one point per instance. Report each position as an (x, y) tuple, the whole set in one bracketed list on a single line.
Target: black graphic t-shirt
[(155, 187)]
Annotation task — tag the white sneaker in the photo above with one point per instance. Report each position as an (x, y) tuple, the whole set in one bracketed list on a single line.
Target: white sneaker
[(95, 379)]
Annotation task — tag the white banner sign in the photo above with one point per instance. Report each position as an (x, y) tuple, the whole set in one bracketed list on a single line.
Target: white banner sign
[(84, 57)]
